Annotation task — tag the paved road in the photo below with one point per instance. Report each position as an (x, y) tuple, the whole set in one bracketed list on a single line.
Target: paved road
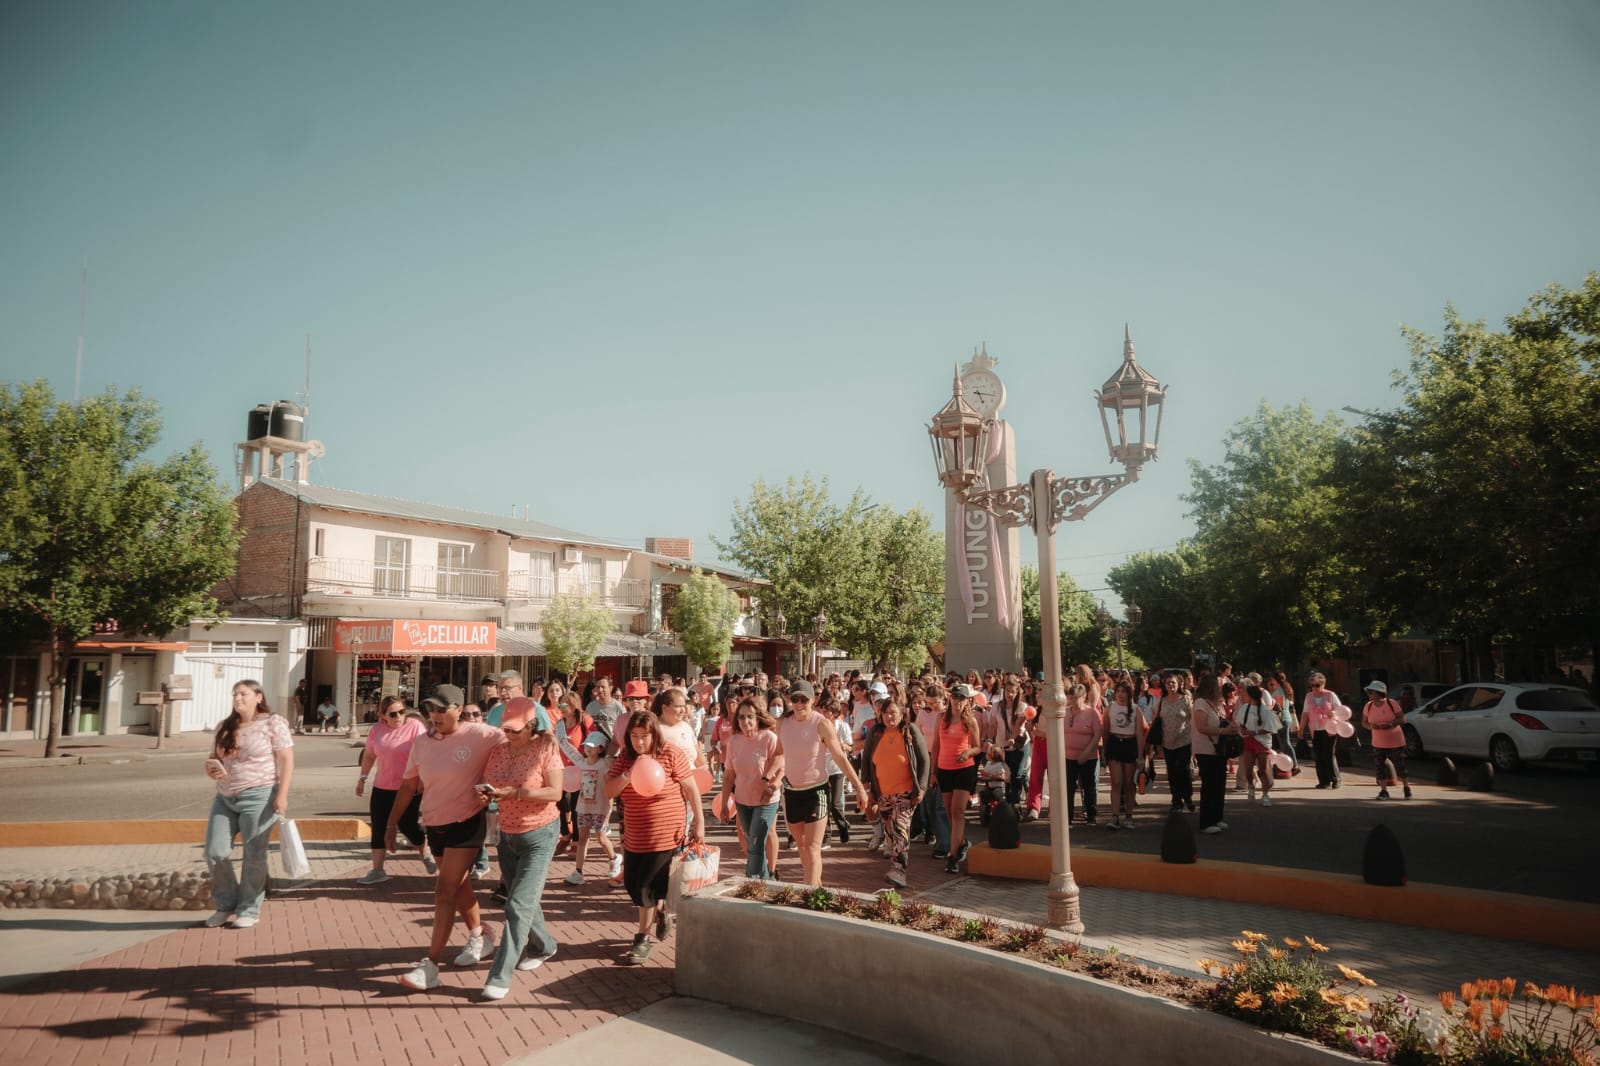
[(1533, 834)]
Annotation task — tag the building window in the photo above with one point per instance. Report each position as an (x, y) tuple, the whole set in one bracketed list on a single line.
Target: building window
[(594, 577), (542, 579), (317, 542), (451, 579), (391, 561)]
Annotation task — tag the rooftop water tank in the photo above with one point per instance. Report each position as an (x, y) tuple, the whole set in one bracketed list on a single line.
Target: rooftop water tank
[(288, 421), (260, 421)]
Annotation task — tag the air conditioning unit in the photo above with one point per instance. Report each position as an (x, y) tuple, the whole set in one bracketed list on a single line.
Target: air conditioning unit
[(570, 556)]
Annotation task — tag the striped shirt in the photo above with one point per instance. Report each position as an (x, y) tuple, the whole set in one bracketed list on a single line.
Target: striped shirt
[(654, 823)]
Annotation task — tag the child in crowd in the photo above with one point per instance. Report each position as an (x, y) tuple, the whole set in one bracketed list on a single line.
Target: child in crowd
[(592, 763), (993, 777)]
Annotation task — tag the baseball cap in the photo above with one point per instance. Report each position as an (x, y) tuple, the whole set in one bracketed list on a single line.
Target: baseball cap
[(596, 739), (636, 690), (1379, 687), (879, 690), (802, 687), (445, 696), (522, 710), (963, 691)]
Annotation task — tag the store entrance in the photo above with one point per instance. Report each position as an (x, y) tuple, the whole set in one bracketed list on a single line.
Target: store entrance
[(86, 686)]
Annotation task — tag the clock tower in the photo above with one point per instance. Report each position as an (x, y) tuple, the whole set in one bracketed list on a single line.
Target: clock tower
[(983, 579)]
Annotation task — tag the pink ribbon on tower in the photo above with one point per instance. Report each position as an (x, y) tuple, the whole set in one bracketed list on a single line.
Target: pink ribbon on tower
[(963, 571)]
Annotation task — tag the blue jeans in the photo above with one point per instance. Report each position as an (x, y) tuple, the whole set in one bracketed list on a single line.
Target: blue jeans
[(755, 821), (930, 814), (248, 816), (524, 861)]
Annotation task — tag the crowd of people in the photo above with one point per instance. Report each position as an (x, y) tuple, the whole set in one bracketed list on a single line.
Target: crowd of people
[(544, 772)]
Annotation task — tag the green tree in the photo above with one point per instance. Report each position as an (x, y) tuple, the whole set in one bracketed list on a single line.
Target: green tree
[(1480, 494), (895, 608), (1276, 587), (1082, 640), (574, 628), (92, 533), (704, 618), (1168, 587)]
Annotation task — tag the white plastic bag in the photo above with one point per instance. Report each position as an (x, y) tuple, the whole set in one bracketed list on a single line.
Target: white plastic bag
[(693, 868), (292, 850)]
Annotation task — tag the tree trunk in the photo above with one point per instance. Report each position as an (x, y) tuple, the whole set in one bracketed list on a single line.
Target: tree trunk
[(60, 649)]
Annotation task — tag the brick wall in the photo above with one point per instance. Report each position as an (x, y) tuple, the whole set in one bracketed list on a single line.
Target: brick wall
[(270, 576), (677, 547)]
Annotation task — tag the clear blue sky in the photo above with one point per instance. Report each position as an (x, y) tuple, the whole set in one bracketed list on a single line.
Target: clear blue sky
[(618, 261)]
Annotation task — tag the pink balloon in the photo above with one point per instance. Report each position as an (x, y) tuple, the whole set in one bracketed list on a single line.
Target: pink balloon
[(1345, 729), (1281, 761), (1341, 713), (702, 780), (647, 777), (571, 779)]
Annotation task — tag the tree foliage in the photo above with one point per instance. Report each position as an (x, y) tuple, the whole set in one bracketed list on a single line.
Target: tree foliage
[(1169, 588), (877, 575), (574, 628), (92, 533), (704, 617), (1082, 639)]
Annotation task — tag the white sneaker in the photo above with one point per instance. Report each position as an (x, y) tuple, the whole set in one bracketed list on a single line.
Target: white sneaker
[(477, 947), (245, 921), (1252, 794), (616, 866), (494, 993), (1222, 825), (424, 977), (428, 864), (372, 877), (896, 877), (574, 878), (1266, 801), (217, 920), (1212, 830), (533, 962)]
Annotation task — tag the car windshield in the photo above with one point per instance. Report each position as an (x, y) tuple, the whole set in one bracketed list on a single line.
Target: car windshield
[(1555, 699)]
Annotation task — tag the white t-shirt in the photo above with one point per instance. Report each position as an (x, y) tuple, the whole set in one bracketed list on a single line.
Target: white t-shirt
[(681, 736)]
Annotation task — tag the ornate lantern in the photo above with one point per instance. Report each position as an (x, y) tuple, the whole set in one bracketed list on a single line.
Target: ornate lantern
[(1135, 614), (1131, 390), (960, 438)]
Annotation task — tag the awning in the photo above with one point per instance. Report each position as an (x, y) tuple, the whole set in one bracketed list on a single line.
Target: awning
[(518, 642), (623, 645), (134, 645)]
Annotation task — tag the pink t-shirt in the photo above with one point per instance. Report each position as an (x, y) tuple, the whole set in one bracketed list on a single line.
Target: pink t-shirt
[(252, 764), (749, 758), (392, 746), (803, 766), (954, 740), (1080, 729), (1317, 711), (681, 736), (450, 769), (928, 722), (538, 767), (1381, 716)]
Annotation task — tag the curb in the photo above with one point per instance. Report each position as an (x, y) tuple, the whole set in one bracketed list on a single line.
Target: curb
[(1476, 912), (168, 831)]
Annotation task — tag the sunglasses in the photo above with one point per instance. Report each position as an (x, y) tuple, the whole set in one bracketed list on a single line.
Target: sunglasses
[(394, 714), (513, 732), (472, 714)]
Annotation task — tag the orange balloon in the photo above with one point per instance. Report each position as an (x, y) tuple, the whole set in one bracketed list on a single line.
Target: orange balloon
[(702, 780), (647, 777), (1029, 713)]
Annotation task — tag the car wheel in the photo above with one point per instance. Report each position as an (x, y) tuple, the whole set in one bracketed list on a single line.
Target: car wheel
[(1413, 744), (1503, 753)]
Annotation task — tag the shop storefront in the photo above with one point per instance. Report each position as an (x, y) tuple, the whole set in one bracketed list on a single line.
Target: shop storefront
[(407, 657)]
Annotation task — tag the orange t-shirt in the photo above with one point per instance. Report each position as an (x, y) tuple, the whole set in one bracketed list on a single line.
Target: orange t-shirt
[(890, 765)]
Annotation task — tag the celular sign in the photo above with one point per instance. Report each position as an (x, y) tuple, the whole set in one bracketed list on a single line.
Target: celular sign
[(415, 636)]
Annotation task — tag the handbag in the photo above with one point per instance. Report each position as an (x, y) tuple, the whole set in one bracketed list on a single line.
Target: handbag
[(1152, 736), (1230, 745), (292, 851), (694, 867)]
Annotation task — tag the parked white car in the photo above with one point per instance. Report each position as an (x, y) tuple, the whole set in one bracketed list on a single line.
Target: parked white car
[(1508, 724)]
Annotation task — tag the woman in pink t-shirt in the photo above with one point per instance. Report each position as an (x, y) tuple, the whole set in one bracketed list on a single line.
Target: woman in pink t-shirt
[(1386, 720), (1081, 731), (751, 784), (448, 766), (388, 748), (252, 760), (1317, 719)]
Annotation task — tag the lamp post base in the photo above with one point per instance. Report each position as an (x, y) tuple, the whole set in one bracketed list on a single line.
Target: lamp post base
[(1061, 904)]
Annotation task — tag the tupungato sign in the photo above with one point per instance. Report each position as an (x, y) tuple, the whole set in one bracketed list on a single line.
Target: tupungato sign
[(415, 636)]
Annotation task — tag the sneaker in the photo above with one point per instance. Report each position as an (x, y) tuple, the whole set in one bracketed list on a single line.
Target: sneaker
[(1222, 825), (1252, 794), (826, 846), (941, 853), (245, 921), (616, 867), (499, 894), (574, 878), (961, 855), (533, 962), (665, 924), (495, 993), (1266, 801), (372, 877), (640, 950), (479, 872), (477, 947), (1212, 830), (1033, 815), (428, 864), (1383, 793), (1408, 792), (615, 880), (896, 877), (218, 919), (1127, 821), (951, 866), (1088, 819), (1115, 823), (424, 977)]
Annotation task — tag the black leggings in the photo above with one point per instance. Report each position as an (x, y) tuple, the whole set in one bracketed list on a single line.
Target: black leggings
[(381, 804), (1178, 777), (836, 807), (1213, 788)]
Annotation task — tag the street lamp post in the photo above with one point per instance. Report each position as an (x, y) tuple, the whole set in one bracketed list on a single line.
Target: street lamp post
[(1119, 631), (819, 626), (355, 679), (960, 438)]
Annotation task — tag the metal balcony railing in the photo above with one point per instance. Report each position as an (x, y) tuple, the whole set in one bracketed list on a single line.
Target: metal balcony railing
[(531, 587), (363, 577)]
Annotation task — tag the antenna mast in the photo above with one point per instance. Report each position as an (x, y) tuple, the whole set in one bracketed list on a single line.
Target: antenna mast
[(83, 305)]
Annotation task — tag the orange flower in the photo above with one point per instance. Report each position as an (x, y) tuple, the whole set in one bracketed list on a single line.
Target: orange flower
[(1277, 953), (1531, 991), (1475, 1010), (1351, 975), (1256, 937), (1496, 1032), (1469, 989), (1206, 964), (1291, 942), (1314, 946), (1447, 1000), (1247, 1001), (1245, 947), (1240, 968), (1508, 985), (1283, 992), (1330, 997), (1357, 1004), (1497, 1008)]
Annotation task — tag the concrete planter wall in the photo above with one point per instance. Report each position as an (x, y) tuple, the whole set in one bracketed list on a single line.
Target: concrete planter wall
[(884, 983)]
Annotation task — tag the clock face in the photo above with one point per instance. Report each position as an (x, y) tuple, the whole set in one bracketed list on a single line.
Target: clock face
[(984, 392)]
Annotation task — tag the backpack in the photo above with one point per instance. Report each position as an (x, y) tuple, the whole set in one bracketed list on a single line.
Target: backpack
[(1005, 831)]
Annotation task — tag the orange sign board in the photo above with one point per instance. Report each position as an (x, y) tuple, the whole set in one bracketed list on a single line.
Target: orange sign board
[(415, 636)]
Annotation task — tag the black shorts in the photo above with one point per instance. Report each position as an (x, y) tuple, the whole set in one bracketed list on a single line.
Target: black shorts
[(644, 875), (467, 834), (962, 780), (1394, 755), (802, 805), (1122, 749), (381, 806)]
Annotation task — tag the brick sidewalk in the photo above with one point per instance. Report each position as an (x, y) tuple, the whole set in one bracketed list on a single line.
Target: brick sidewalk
[(316, 981)]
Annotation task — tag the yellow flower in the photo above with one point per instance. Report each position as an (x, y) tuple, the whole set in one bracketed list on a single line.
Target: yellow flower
[(1245, 947), (1357, 1004), (1206, 964), (1257, 937), (1240, 968), (1330, 997), (1314, 946), (1277, 953), (1349, 974), (1283, 992), (1247, 1000), (1291, 942)]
